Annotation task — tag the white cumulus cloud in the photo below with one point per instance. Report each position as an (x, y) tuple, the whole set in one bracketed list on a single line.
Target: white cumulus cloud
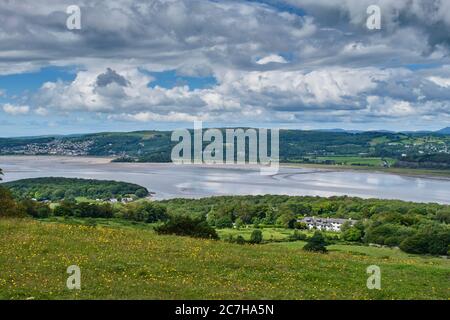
[(15, 110)]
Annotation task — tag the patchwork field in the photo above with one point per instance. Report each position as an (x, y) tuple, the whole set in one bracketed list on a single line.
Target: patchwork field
[(128, 263)]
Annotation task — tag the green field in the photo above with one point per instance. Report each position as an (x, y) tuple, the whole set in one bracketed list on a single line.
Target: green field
[(357, 161), (135, 263), (269, 234)]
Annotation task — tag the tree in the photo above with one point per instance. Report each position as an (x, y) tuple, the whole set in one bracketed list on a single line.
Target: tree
[(301, 225), (286, 218), (240, 239), (296, 236), (141, 193), (35, 209), (187, 226), (65, 209), (432, 239), (146, 211), (352, 234), (256, 237), (221, 218), (316, 243), (442, 215), (238, 223), (9, 207)]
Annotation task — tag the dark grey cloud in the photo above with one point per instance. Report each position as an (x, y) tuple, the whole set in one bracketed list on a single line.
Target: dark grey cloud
[(111, 76)]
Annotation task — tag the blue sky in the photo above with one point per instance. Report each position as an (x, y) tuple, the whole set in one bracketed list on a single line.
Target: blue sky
[(307, 64)]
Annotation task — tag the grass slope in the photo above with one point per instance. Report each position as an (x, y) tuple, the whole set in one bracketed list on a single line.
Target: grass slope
[(127, 263)]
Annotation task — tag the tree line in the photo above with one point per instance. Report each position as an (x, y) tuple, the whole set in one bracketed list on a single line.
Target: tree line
[(57, 189)]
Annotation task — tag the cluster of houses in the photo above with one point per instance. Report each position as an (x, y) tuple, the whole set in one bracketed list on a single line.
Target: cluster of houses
[(114, 200), (326, 224), (56, 147)]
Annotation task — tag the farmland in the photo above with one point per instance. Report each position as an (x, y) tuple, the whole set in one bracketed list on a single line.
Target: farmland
[(134, 263)]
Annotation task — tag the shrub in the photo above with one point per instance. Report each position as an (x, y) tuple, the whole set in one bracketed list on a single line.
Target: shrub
[(69, 208), (316, 243), (239, 223), (146, 212), (186, 226), (141, 193), (352, 234), (387, 233), (432, 239), (8, 206), (414, 244), (297, 236), (240, 239), (256, 237), (90, 222), (301, 226), (35, 209), (65, 209)]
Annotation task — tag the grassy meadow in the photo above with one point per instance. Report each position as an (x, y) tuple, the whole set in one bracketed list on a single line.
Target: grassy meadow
[(127, 262)]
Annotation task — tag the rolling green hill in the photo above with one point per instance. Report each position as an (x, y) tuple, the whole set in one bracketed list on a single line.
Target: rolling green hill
[(128, 263), (319, 147)]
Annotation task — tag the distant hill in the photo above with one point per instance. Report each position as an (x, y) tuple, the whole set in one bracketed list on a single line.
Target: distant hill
[(295, 145), (444, 131)]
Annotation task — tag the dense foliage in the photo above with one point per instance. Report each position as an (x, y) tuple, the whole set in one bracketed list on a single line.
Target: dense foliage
[(55, 189), (187, 226), (149, 212), (431, 161), (84, 209), (317, 243), (256, 237), (8, 206), (383, 222)]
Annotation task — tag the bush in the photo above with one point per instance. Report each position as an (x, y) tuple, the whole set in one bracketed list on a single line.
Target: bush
[(432, 240), (256, 237), (35, 209), (297, 236), (240, 239), (146, 212), (141, 193), (65, 209), (239, 223), (352, 234), (69, 208), (186, 226), (316, 243), (387, 233), (8, 206)]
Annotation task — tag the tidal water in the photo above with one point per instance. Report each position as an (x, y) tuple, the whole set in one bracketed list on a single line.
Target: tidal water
[(189, 181)]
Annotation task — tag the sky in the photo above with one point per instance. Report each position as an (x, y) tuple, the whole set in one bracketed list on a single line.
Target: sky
[(163, 64)]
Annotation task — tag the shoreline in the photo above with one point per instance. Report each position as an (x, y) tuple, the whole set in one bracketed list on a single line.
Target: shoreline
[(408, 172), (168, 180)]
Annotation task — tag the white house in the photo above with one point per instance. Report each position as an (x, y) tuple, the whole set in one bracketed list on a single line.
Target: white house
[(326, 224)]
